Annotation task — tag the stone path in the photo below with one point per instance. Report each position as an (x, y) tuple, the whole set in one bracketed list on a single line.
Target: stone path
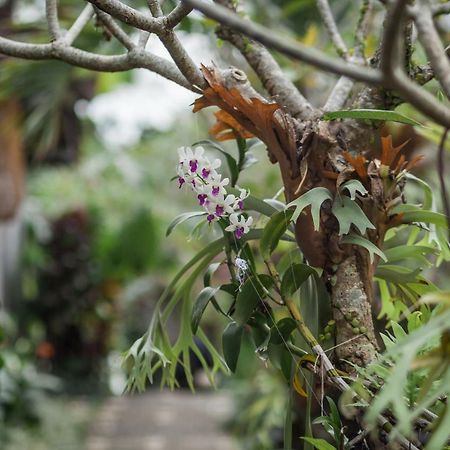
[(162, 421)]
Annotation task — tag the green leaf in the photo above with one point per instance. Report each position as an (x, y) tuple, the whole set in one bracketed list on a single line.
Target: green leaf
[(314, 198), (348, 212), (182, 218), (354, 239), (416, 214), (320, 444), (288, 421), (232, 164), (398, 274), (353, 186), (281, 359), (252, 293), (210, 272), (402, 252), (294, 277), (281, 331), (231, 344), (370, 114), (273, 231), (200, 305)]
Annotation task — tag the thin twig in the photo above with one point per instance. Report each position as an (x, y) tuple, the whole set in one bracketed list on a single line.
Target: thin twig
[(441, 172), (115, 30), (432, 44), (393, 72), (330, 24), (77, 27), (51, 12), (362, 28), (177, 15)]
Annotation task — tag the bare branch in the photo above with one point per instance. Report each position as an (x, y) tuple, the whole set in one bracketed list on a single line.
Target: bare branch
[(137, 58), (330, 24), (128, 15), (176, 50), (362, 28), (156, 25), (177, 15), (51, 12), (77, 27), (339, 95), (115, 30), (395, 76), (144, 36), (431, 42), (286, 46)]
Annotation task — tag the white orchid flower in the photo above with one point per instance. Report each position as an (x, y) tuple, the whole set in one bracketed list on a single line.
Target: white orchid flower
[(239, 225)]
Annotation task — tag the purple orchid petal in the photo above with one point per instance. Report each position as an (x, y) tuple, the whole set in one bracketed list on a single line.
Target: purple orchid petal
[(193, 164), (219, 210), (181, 181), (202, 199), (239, 232), (205, 173)]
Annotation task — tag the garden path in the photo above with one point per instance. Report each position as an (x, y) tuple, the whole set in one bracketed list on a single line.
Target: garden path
[(162, 421)]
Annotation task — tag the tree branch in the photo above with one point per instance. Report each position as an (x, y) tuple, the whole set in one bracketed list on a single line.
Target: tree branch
[(393, 71), (330, 24), (339, 95), (362, 28), (115, 30), (284, 45), (51, 12), (77, 27), (129, 15), (137, 58), (177, 15), (275, 82), (173, 45), (432, 44)]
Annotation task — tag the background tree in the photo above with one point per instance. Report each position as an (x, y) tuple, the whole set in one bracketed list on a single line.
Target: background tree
[(342, 204)]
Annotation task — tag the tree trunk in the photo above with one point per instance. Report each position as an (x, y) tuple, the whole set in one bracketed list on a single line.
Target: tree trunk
[(347, 269)]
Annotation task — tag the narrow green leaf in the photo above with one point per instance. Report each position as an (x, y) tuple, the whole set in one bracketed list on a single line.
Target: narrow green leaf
[(398, 274), (370, 114), (320, 444), (314, 198), (200, 304), (288, 421), (424, 216), (353, 186), (231, 344), (294, 277), (273, 231), (252, 293), (348, 212), (182, 218), (402, 252), (363, 242)]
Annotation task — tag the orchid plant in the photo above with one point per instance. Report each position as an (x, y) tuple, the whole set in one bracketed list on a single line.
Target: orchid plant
[(200, 174)]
